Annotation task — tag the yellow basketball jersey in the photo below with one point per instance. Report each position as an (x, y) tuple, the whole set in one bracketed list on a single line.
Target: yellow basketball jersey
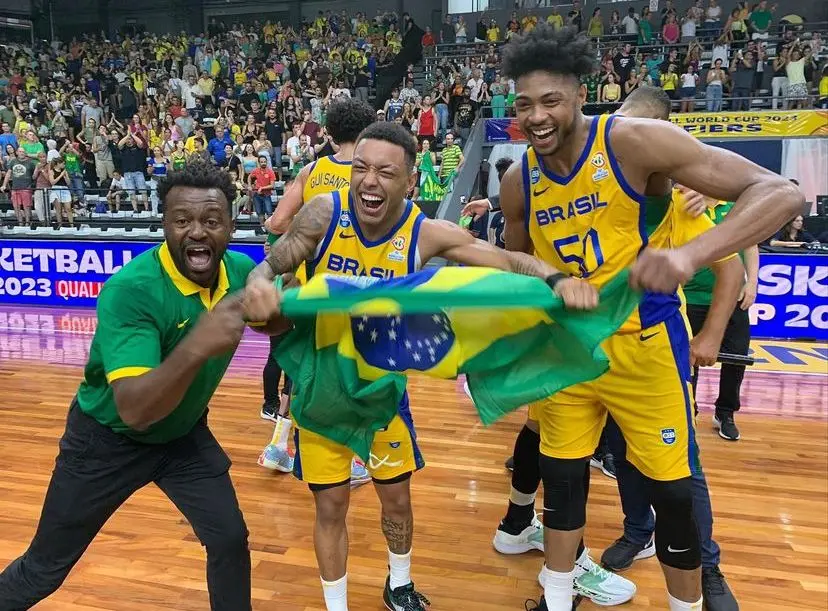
[(346, 251), (592, 224), (326, 175)]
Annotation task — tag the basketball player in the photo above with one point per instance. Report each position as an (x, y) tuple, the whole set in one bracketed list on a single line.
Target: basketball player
[(345, 119), (373, 229), (579, 200), (168, 325)]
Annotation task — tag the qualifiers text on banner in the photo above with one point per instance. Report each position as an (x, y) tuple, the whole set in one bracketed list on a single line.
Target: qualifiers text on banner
[(782, 124)]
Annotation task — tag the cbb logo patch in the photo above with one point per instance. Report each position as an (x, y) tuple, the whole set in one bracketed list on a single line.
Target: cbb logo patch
[(344, 219), (535, 176), (668, 436)]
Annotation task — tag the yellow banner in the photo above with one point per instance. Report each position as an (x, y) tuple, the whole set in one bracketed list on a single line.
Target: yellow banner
[(760, 124)]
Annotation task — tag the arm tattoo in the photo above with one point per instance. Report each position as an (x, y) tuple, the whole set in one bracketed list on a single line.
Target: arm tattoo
[(300, 241), (398, 535), (529, 265)]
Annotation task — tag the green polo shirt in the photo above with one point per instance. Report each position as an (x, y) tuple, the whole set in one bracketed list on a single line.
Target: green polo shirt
[(699, 290), (144, 311)]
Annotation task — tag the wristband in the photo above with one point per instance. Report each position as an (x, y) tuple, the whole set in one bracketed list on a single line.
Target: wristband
[(552, 281)]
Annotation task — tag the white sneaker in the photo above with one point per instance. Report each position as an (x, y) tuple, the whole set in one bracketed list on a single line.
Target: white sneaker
[(603, 588), (276, 458), (531, 538)]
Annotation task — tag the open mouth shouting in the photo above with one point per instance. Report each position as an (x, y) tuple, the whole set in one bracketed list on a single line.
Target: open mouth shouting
[(199, 258), (372, 204)]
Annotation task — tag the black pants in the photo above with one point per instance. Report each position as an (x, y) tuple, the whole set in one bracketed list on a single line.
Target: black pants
[(273, 373), (736, 341), (95, 472)]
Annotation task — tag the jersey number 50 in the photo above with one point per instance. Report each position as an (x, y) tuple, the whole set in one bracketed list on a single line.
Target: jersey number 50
[(568, 247)]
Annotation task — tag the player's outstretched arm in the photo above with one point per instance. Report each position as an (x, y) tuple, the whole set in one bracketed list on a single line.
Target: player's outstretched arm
[(300, 241), (289, 205), (513, 205), (764, 200), (440, 238)]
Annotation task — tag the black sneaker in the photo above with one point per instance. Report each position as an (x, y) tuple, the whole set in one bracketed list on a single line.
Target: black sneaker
[(510, 463), (724, 423), (404, 598), (717, 594), (270, 411), (608, 466), (621, 554)]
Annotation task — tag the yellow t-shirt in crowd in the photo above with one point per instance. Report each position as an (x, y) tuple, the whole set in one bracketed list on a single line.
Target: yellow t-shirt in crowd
[(669, 81), (493, 34), (823, 87), (556, 21), (240, 77)]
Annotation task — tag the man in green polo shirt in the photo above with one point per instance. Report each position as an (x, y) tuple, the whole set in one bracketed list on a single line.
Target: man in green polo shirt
[(74, 169), (760, 20), (168, 325), (698, 294)]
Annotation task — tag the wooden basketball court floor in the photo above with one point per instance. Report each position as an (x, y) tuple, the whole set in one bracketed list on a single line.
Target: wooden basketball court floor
[(769, 491)]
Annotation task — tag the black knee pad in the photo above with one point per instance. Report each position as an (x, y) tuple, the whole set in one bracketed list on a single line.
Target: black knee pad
[(676, 532), (526, 474), (564, 496)]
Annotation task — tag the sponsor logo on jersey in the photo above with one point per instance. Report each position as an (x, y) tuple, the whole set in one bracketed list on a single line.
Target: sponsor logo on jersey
[(600, 174), (598, 160)]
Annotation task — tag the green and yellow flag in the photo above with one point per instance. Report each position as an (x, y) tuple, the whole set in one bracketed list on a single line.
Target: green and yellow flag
[(356, 338)]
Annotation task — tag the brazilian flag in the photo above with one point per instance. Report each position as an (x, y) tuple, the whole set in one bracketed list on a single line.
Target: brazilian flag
[(356, 338)]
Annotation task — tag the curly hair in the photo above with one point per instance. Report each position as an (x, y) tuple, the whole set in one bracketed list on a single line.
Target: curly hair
[(200, 174), (395, 134), (564, 51), (347, 117)]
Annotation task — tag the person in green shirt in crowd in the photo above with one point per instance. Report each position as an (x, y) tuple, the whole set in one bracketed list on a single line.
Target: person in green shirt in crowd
[(74, 169), (760, 20), (698, 294), (168, 325), (592, 82)]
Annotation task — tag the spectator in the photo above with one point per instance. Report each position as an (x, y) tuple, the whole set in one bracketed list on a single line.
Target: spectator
[(440, 96), (760, 20), (74, 171), (20, 176), (689, 83), (779, 82), (475, 85), (595, 27), (623, 63), (499, 89), (216, 146), (670, 33), (260, 183), (742, 69), (666, 11), (300, 155), (611, 92), (823, 88), (60, 195), (632, 83), (670, 82), (31, 145), (460, 35), (797, 83), (447, 32), (451, 159), (713, 19), (575, 16), (428, 43), (592, 82), (554, 18), (134, 163), (688, 26), (493, 32), (409, 94), (736, 29), (615, 24), (513, 26), (481, 29), (464, 116), (425, 163), (7, 138), (426, 120), (716, 79), (394, 105), (630, 24)]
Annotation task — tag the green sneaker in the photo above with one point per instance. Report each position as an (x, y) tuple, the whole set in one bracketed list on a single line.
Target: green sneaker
[(404, 598)]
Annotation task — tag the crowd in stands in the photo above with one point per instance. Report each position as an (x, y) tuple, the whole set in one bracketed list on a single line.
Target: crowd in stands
[(114, 116), (704, 52)]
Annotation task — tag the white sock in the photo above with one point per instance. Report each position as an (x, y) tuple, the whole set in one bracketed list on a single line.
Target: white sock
[(558, 589), (521, 498), (680, 605), (336, 594), (400, 568), (281, 433)]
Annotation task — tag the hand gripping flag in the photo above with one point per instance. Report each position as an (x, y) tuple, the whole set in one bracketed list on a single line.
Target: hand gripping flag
[(356, 338)]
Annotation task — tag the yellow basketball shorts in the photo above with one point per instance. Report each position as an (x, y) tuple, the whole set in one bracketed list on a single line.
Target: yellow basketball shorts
[(320, 461), (648, 392)]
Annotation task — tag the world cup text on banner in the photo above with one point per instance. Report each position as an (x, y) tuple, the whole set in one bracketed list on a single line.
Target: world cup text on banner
[(791, 298), (782, 124), (58, 272)]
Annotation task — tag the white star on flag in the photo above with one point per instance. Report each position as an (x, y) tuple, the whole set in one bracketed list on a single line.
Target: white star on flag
[(374, 335), (391, 362), (392, 334), (361, 326)]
